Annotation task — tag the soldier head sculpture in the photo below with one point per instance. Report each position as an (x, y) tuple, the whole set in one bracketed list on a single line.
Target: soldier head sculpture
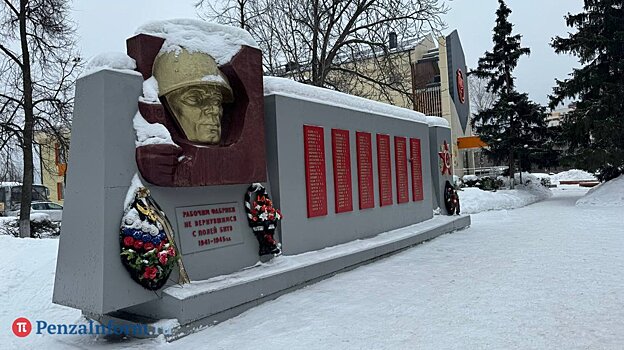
[(194, 89)]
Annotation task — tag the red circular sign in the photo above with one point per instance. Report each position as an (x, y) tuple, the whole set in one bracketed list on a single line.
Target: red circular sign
[(22, 327), (461, 90)]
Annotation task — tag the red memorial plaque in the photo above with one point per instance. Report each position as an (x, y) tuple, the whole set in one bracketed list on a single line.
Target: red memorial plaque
[(417, 178), (365, 170), (384, 165), (400, 159), (341, 152), (316, 187)]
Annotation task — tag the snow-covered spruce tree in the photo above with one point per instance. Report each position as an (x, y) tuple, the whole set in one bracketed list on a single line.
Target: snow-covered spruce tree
[(37, 74), (515, 125), (595, 130), (514, 128)]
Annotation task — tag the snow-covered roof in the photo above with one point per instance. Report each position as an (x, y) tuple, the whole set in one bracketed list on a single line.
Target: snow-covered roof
[(437, 121), (217, 40), (291, 88)]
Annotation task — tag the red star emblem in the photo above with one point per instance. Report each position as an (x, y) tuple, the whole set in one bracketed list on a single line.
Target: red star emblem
[(445, 155)]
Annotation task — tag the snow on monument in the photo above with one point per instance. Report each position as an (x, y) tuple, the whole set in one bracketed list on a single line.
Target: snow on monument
[(199, 188)]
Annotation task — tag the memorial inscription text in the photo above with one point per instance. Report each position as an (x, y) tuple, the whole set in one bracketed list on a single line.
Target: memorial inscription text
[(417, 177), (341, 152), (384, 167), (210, 226), (364, 149), (315, 174), (400, 159)]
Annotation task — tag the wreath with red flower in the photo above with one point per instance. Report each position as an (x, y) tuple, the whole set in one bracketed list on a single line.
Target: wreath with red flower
[(146, 250), (262, 217), (451, 199)]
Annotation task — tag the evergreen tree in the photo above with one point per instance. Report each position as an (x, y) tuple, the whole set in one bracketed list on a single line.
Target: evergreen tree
[(515, 125), (515, 129), (595, 130)]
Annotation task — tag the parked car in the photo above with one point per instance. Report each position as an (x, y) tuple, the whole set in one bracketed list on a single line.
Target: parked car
[(53, 210)]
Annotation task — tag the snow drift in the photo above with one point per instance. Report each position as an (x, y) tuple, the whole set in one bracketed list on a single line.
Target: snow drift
[(608, 194), (572, 175), (474, 200)]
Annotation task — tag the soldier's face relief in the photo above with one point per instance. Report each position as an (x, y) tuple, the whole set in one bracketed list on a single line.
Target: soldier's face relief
[(198, 110)]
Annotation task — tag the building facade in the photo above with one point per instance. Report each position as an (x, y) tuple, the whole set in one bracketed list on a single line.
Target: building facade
[(440, 89), (556, 117), (53, 165)]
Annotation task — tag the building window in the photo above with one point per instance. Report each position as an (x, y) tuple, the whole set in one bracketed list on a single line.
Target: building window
[(60, 191), (59, 154)]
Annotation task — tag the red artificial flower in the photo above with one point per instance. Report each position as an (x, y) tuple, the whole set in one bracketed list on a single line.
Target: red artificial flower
[(150, 272), (138, 244), (162, 258), (160, 245), (171, 251), (148, 246), (271, 216), (128, 241)]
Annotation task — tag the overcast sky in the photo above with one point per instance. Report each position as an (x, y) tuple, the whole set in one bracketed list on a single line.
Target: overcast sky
[(105, 25)]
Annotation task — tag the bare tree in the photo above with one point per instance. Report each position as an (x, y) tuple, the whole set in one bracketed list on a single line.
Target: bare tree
[(10, 166), (37, 67), (480, 98), (339, 44)]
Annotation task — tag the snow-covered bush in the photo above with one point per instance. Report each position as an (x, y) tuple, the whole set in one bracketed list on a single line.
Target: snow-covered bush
[(457, 181), (470, 178), (40, 226), (609, 172), (527, 179), (486, 183), (543, 178)]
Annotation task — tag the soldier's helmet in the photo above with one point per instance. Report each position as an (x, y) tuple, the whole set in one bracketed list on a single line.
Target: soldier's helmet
[(180, 68)]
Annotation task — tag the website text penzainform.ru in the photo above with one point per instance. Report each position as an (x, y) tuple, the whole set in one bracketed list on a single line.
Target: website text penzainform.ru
[(110, 328)]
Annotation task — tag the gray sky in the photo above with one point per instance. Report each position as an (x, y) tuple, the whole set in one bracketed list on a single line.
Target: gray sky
[(105, 25)]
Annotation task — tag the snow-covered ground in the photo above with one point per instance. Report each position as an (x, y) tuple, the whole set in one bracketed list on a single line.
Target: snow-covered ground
[(608, 194), (474, 200), (545, 276)]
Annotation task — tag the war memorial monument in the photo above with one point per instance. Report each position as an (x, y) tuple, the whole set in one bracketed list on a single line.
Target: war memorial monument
[(205, 188)]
